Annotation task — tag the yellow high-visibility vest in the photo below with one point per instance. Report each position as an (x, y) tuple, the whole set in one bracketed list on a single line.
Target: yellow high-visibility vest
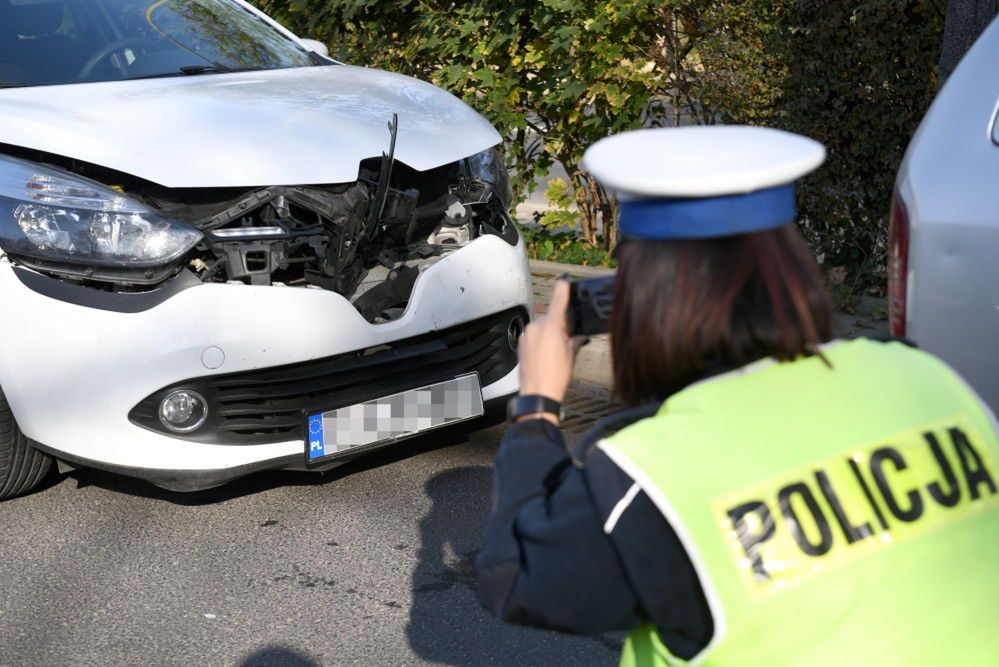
[(836, 514)]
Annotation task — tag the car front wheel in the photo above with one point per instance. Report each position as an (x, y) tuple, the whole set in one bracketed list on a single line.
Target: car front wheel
[(22, 467)]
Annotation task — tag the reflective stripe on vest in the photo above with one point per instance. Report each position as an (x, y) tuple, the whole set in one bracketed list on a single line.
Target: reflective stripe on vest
[(834, 515)]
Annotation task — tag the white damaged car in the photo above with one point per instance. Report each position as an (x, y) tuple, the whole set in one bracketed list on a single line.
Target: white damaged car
[(222, 252)]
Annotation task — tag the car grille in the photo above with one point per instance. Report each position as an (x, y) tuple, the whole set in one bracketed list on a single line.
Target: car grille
[(268, 405)]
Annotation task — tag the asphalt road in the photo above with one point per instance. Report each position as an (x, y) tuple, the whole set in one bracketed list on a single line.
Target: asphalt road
[(369, 564)]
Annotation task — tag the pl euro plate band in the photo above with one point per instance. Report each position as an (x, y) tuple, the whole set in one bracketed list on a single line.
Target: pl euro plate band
[(394, 417)]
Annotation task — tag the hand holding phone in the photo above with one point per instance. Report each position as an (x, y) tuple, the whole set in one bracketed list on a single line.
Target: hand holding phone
[(590, 301)]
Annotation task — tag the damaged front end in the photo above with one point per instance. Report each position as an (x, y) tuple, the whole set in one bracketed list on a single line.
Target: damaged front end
[(368, 240)]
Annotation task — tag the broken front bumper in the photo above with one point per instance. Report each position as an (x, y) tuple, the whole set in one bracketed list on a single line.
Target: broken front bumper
[(73, 373)]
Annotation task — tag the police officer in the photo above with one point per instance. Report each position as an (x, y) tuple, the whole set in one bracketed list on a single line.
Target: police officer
[(768, 497)]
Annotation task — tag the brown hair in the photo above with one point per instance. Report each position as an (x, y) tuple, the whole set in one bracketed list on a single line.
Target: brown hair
[(684, 307)]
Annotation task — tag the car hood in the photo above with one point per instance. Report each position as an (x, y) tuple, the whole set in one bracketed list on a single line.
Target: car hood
[(297, 126)]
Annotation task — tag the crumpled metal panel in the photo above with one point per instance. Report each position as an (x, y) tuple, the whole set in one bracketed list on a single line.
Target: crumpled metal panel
[(299, 126)]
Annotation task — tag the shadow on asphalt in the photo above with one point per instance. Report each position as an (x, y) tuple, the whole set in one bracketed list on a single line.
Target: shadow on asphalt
[(278, 656), (447, 624), (271, 479), (445, 596)]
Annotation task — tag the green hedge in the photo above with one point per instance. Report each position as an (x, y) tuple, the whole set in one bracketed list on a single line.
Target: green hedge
[(556, 75), (864, 102)]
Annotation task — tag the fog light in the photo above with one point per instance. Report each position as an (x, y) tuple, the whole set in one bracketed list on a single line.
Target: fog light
[(515, 331), (183, 411)]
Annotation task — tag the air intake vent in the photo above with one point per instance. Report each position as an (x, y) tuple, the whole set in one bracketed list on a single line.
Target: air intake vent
[(268, 405)]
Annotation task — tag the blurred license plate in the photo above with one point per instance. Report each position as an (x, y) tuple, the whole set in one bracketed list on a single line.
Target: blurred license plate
[(393, 417)]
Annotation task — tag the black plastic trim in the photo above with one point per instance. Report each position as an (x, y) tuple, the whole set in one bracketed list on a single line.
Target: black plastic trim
[(117, 302), (266, 405), (189, 481), (508, 233), (184, 481)]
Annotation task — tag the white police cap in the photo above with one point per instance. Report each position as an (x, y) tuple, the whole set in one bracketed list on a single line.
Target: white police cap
[(703, 181)]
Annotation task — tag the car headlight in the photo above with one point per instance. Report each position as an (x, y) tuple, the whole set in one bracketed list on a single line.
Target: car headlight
[(56, 216), (488, 168)]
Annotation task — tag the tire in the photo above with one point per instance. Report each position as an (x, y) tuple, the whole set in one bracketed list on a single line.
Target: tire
[(22, 467)]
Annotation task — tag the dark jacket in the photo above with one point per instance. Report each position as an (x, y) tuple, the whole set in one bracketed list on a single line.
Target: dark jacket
[(574, 545)]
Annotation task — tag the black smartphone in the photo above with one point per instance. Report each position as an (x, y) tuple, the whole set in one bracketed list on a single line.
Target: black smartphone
[(590, 302)]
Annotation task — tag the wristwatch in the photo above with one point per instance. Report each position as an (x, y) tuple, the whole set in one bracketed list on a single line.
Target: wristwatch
[(532, 404)]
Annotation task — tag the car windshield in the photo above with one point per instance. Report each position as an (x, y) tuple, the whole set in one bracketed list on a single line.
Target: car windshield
[(70, 41)]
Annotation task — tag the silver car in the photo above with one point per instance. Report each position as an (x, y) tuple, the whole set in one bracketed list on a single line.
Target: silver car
[(944, 242)]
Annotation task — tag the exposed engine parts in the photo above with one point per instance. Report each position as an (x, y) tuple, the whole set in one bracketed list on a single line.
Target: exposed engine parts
[(327, 237), (368, 240)]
